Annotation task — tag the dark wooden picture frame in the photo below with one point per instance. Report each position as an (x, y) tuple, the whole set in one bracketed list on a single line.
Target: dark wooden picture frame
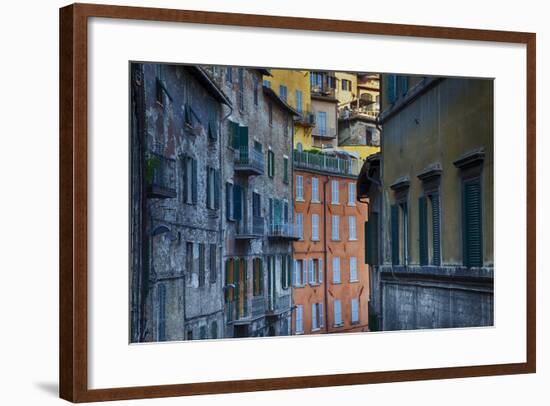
[(74, 201)]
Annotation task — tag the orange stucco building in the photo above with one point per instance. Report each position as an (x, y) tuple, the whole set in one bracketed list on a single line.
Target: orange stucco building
[(330, 278)]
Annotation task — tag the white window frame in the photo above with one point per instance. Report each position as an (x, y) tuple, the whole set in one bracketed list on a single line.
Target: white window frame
[(314, 321), (297, 273), (337, 313), (352, 228), (335, 232), (351, 194), (353, 275), (299, 319), (335, 192), (354, 310), (300, 225), (315, 190), (336, 270), (314, 227), (299, 188)]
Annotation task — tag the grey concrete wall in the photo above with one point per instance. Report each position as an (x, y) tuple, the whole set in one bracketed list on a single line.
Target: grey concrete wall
[(434, 297)]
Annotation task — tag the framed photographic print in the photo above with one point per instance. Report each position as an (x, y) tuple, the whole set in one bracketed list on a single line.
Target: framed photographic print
[(241, 194)]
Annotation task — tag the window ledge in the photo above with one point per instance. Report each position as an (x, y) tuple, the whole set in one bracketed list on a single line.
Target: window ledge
[(300, 199), (354, 281), (352, 239)]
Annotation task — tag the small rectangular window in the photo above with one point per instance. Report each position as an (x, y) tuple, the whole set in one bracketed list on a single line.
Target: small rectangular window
[(315, 227), (352, 228), (297, 272), (299, 187), (315, 190), (213, 264), (202, 265), (314, 325), (335, 228), (337, 313), (299, 319), (354, 311), (285, 169), (336, 270), (353, 269), (351, 194), (300, 225), (334, 187), (322, 123), (283, 92), (299, 101)]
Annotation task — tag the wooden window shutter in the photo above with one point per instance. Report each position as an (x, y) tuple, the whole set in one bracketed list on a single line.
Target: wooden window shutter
[(423, 229), (237, 202), (228, 198), (321, 270), (217, 191), (436, 233), (472, 224), (392, 91), (236, 282), (245, 286), (184, 178), (395, 234), (371, 239), (194, 181), (208, 182), (283, 276), (288, 273)]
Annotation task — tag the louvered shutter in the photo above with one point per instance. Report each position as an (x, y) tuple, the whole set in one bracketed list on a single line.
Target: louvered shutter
[(313, 316), (194, 181), (311, 273), (321, 270), (245, 286), (395, 234), (283, 272), (392, 88), (305, 271), (184, 178), (237, 202), (423, 229), (436, 233), (217, 189), (472, 224), (227, 279), (208, 182), (236, 282), (320, 307)]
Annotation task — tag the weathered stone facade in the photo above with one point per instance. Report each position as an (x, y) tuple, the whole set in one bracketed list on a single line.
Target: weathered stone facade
[(257, 140), (176, 212)]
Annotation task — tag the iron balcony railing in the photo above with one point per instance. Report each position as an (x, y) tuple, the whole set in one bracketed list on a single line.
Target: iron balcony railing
[(160, 174), (249, 159), (324, 132), (306, 118), (283, 230), (327, 163), (251, 229), (278, 304)]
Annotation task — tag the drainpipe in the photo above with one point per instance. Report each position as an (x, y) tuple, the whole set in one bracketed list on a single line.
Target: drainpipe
[(222, 221), (325, 272)]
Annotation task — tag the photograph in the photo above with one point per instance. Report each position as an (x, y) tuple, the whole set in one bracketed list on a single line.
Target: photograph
[(283, 202)]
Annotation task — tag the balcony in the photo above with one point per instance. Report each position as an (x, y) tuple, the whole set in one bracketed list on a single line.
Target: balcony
[(282, 230), (325, 133), (277, 305), (371, 112), (326, 163), (250, 230), (306, 119), (249, 161), (160, 175)]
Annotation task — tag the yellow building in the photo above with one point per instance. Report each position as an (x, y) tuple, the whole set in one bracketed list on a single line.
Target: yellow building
[(293, 87), (358, 108), (346, 89)]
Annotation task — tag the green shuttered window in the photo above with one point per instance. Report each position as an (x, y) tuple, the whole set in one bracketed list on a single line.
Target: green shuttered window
[(472, 227), (423, 229), (436, 230), (395, 234)]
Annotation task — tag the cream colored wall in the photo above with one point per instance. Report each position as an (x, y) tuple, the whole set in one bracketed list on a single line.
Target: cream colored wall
[(451, 119)]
